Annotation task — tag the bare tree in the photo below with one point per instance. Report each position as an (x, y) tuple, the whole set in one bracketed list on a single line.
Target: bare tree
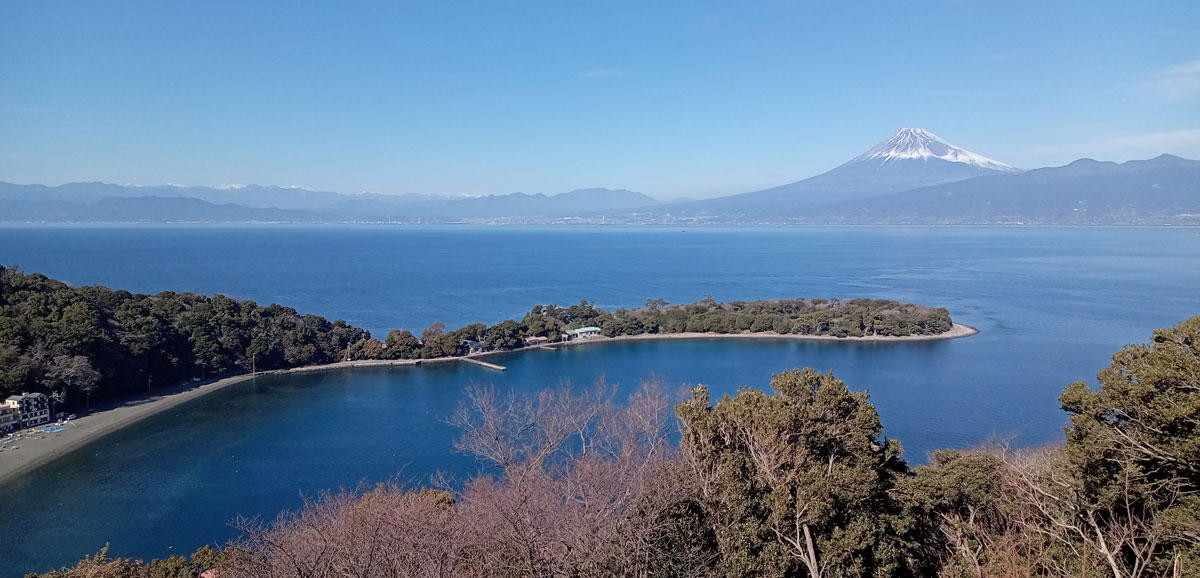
[(588, 487), (1072, 535), (386, 532), (580, 487)]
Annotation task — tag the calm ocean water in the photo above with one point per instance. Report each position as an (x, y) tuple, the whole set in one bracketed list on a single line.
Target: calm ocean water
[(1052, 305)]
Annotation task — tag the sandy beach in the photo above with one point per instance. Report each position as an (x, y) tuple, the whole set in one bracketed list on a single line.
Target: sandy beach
[(44, 447)]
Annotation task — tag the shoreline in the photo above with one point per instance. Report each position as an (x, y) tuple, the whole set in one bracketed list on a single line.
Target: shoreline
[(34, 453), (957, 330), (83, 430)]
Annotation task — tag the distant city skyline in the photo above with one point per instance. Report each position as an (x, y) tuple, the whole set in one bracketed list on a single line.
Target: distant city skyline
[(696, 99)]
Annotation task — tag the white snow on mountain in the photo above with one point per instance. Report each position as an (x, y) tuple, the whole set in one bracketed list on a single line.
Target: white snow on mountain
[(916, 143)]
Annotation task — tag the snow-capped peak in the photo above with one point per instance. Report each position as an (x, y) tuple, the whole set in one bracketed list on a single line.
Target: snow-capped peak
[(916, 143)]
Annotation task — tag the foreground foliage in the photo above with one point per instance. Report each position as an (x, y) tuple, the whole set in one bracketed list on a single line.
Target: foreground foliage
[(1120, 498), (798, 480), (80, 343), (101, 566), (581, 487)]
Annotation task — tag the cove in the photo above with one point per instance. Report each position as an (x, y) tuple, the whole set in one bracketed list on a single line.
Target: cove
[(257, 447)]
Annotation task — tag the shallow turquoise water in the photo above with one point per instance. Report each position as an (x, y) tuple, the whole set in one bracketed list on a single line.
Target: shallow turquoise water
[(1052, 304)]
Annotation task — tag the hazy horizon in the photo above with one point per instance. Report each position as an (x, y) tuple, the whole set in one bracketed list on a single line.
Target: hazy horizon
[(455, 196)]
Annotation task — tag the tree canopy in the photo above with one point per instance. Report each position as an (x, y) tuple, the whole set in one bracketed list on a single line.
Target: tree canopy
[(76, 342), (83, 342), (796, 480)]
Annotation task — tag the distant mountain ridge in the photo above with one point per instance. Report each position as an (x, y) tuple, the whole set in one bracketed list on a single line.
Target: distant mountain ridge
[(254, 196), (1158, 191), (913, 177), (104, 202)]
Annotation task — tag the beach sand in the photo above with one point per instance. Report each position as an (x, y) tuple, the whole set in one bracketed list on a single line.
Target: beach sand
[(44, 447), (37, 447)]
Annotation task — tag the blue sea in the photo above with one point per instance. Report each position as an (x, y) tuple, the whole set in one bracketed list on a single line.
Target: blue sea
[(1052, 305)]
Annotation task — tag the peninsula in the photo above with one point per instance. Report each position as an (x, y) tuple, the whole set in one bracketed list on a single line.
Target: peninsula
[(135, 355)]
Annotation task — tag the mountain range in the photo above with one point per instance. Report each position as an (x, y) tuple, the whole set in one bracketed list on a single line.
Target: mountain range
[(914, 177), (1159, 191), (104, 202)]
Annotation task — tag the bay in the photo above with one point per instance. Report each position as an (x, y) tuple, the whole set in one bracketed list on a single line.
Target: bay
[(1052, 306)]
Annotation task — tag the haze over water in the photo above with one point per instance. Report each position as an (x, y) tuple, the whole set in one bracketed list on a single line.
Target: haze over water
[(1052, 306)]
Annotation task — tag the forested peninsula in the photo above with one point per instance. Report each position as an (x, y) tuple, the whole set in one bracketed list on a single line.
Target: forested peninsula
[(83, 344)]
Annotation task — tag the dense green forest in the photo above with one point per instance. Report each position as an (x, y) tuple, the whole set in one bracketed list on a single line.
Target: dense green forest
[(799, 482), (839, 318), (85, 343), (93, 342)]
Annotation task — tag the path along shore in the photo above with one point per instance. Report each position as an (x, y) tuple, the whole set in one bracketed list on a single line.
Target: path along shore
[(44, 447)]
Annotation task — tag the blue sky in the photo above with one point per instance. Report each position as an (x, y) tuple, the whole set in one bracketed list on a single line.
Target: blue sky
[(674, 99)]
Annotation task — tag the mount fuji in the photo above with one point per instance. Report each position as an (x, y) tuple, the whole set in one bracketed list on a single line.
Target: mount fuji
[(911, 158), (916, 144)]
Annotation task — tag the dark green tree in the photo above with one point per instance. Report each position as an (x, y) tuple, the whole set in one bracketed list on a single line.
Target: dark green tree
[(797, 481), (442, 346), (401, 345), (955, 512), (1135, 447), (504, 335), (474, 332), (432, 332)]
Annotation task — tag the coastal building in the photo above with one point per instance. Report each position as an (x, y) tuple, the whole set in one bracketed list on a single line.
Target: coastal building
[(10, 419), (583, 333), (34, 408), (537, 340), (473, 346)]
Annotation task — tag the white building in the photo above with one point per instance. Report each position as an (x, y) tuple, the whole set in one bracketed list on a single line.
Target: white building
[(583, 333)]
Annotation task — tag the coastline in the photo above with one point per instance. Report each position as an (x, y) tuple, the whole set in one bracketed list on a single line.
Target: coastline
[(88, 428), (957, 330), (34, 453)]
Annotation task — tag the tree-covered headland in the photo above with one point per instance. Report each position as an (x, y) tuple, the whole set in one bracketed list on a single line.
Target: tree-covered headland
[(799, 482), (87, 343), (93, 342)]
